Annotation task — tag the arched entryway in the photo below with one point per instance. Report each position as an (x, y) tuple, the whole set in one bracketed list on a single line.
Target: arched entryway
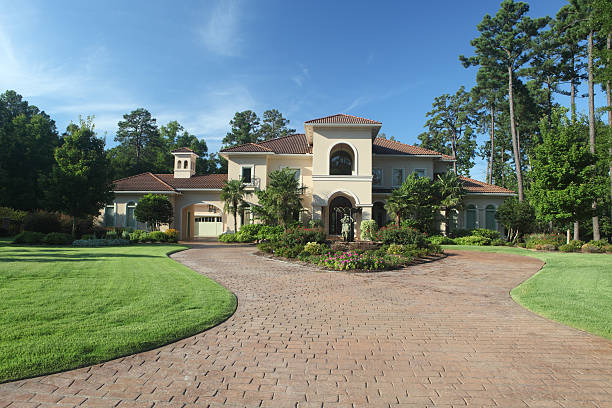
[(337, 208)]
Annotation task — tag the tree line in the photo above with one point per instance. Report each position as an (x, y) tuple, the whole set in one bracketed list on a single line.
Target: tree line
[(72, 172), (521, 64)]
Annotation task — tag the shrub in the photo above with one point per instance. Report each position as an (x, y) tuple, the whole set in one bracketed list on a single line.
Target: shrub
[(125, 234), (434, 249), (395, 249), (248, 232), (537, 241), (314, 248), (441, 240), (487, 233), (267, 247), (343, 261), (139, 236), (546, 247), (573, 246), (228, 237), (270, 233), (457, 233), (400, 235), (601, 244), (172, 235), (289, 252), (157, 236), (89, 236), (498, 242), (58, 238), (29, 237), (368, 227), (608, 248), (301, 236), (42, 221), (473, 240), (315, 224), (100, 242), (590, 248), (112, 234)]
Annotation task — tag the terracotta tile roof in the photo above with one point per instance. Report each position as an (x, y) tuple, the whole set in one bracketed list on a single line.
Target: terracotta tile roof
[(166, 182), (182, 150), (386, 146), (341, 118), (142, 182), (475, 186), (248, 147), (291, 144), (204, 181)]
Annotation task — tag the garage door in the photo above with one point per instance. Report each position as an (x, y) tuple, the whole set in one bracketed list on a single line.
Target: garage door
[(208, 226)]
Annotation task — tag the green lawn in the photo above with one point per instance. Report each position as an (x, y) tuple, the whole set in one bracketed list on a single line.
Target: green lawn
[(63, 307), (572, 288)]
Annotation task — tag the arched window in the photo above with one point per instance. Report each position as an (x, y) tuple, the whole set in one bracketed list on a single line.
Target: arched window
[(185, 164), (470, 217), (341, 163), (490, 217), (130, 218), (178, 164)]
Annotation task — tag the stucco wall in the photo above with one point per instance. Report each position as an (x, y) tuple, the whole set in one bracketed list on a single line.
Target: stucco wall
[(481, 202), (409, 164), (358, 138), (304, 163), (258, 161)]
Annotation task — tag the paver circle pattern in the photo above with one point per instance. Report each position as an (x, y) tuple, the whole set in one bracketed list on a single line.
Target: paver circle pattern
[(445, 334)]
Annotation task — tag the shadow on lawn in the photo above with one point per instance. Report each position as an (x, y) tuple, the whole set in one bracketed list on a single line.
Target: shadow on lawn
[(40, 256)]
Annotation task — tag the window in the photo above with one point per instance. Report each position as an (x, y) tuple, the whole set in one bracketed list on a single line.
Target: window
[(130, 219), (490, 217), (470, 217), (178, 164), (247, 174), (419, 172), (185, 165), (377, 177), (341, 163), (109, 216), (398, 177), (297, 175)]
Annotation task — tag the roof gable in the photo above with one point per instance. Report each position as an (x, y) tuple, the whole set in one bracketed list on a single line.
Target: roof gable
[(342, 118)]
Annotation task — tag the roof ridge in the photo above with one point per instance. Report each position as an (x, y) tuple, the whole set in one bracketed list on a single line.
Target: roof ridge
[(281, 137), (132, 176), (162, 181), (344, 114), (411, 145), (245, 144)]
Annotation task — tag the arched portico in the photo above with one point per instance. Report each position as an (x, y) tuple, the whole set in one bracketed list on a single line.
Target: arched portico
[(201, 220), (337, 204)]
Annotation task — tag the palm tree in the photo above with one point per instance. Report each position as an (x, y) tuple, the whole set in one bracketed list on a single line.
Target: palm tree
[(450, 194), (396, 204), (233, 194)]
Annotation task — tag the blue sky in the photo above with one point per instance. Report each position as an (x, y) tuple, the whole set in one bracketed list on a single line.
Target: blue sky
[(200, 62)]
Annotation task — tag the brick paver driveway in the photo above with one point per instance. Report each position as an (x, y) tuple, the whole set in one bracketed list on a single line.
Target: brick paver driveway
[(440, 334)]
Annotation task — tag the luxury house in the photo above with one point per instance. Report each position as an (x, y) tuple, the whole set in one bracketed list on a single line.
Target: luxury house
[(338, 160)]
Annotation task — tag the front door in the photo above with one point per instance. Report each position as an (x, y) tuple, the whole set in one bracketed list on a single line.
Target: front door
[(335, 216)]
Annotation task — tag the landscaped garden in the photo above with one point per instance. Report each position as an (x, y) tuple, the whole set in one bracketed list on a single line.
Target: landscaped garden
[(572, 288), (68, 307)]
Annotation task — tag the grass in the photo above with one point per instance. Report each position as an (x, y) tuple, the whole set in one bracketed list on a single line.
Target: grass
[(64, 307), (572, 288)]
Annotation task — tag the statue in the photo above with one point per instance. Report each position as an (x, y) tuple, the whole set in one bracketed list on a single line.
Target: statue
[(347, 228)]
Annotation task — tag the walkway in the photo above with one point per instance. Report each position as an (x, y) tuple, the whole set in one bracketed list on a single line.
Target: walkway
[(440, 334)]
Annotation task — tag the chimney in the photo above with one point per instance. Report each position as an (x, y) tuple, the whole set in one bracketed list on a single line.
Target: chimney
[(184, 162)]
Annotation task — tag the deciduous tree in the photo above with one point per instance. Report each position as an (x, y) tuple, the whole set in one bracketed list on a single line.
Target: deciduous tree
[(154, 209), (80, 182)]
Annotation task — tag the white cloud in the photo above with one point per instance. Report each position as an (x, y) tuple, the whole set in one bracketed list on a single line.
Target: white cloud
[(357, 102), (302, 76), (221, 32)]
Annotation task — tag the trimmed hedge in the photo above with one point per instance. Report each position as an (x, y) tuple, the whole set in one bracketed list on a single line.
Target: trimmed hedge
[(100, 242), (58, 238), (29, 237)]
